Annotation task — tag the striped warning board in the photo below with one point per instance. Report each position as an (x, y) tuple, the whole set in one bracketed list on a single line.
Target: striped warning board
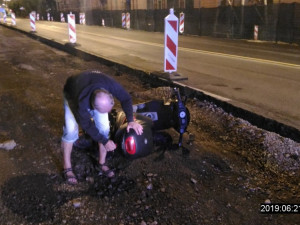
[(181, 23), (128, 21), (32, 21), (171, 42), (123, 20), (82, 18), (255, 32), (72, 28), (62, 18), (13, 19)]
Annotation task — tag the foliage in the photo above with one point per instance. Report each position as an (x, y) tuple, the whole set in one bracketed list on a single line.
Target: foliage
[(24, 7)]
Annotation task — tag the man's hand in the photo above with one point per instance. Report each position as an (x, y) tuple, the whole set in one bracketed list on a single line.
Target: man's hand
[(110, 146), (138, 128)]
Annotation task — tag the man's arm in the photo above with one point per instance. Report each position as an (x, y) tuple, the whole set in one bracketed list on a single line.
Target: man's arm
[(126, 102), (88, 125)]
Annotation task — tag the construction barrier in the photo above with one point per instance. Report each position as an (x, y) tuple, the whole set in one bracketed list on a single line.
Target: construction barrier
[(181, 23), (81, 18), (127, 20), (255, 32), (171, 42), (72, 28), (62, 18), (13, 19), (123, 20), (32, 22)]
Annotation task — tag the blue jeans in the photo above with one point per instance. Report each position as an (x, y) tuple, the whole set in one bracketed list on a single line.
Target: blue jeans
[(71, 130)]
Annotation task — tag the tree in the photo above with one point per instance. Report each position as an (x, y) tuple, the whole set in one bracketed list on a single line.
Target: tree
[(24, 7)]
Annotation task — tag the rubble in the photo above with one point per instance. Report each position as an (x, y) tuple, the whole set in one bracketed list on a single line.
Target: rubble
[(8, 145)]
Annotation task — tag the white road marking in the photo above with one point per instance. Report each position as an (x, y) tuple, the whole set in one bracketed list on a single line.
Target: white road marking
[(224, 99), (194, 50)]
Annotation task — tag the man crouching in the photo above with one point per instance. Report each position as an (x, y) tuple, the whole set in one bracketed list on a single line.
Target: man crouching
[(88, 98)]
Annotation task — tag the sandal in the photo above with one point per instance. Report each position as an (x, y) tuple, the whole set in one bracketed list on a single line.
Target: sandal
[(108, 173), (70, 179)]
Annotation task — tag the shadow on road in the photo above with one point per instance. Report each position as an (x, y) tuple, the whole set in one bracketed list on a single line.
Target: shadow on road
[(33, 196), (35, 199)]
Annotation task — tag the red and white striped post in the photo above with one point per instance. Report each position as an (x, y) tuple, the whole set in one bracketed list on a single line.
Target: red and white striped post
[(181, 23), (171, 42), (62, 18), (127, 20), (72, 28), (256, 32), (13, 19), (123, 20), (32, 22), (81, 18)]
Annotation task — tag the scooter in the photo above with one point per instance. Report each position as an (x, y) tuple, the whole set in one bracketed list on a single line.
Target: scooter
[(154, 116)]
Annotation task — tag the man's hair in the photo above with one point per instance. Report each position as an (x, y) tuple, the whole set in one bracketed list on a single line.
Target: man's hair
[(99, 93)]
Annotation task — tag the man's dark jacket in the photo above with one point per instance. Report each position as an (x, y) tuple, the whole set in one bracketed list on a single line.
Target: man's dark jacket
[(78, 90)]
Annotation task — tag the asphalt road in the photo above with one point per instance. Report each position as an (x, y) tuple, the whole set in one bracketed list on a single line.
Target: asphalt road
[(257, 76)]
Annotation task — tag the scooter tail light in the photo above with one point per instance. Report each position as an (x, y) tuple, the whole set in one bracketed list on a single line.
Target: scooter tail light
[(130, 145)]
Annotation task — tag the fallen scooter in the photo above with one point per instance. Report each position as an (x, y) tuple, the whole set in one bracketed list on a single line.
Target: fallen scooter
[(154, 116)]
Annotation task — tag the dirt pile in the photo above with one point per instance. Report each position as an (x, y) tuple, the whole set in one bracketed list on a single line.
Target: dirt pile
[(266, 149)]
